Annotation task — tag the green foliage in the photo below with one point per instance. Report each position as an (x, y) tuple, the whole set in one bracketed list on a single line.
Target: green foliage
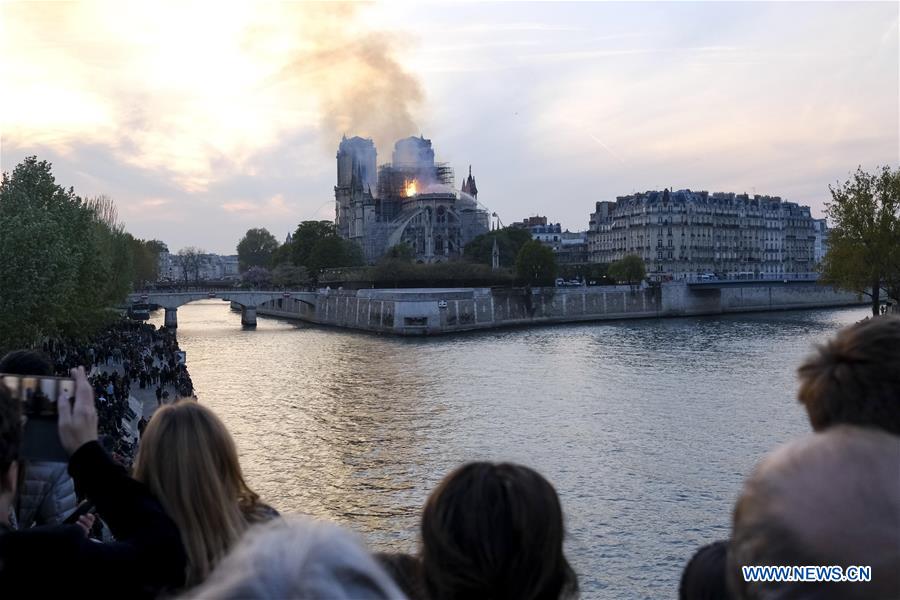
[(536, 264), (401, 251), (332, 251), (630, 270), (597, 272), (509, 243), (63, 260), (145, 259), (864, 242), (290, 276), (307, 235), (256, 249), (403, 273), (283, 255)]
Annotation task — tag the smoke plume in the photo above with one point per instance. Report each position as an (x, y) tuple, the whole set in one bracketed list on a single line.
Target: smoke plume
[(360, 86)]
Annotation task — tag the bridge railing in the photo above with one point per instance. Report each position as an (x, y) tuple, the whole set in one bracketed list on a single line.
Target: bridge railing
[(811, 276), (218, 290)]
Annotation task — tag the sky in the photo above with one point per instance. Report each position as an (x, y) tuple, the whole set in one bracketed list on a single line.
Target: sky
[(204, 119)]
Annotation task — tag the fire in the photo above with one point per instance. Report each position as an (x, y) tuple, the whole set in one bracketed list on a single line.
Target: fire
[(411, 188)]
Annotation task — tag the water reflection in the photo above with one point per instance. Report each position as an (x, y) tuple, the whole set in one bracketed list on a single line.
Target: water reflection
[(646, 428)]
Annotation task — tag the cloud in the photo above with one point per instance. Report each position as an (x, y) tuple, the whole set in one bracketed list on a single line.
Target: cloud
[(154, 202), (239, 207), (194, 90)]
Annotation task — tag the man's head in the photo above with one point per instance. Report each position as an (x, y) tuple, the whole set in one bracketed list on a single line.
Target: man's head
[(854, 378), (831, 498), (26, 362), (10, 441)]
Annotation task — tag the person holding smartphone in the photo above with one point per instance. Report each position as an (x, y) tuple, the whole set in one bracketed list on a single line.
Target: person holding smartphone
[(147, 557), (46, 494)]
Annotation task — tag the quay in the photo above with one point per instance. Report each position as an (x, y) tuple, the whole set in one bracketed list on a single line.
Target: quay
[(416, 312), (435, 311)]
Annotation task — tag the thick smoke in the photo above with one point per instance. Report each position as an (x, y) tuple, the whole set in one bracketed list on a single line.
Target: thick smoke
[(360, 87)]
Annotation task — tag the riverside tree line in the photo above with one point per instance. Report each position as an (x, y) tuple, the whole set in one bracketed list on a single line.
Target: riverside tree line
[(315, 247), (64, 260)]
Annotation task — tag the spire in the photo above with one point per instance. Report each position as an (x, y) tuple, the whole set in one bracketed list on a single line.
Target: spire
[(470, 187)]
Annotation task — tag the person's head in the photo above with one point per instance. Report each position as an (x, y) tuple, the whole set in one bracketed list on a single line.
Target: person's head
[(10, 442), (406, 571), (831, 498), (189, 461), (494, 531), (704, 576), (854, 378), (26, 362), (298, 558)]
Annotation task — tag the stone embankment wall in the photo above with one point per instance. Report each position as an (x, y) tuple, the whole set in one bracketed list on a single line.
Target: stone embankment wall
[(436, 311)]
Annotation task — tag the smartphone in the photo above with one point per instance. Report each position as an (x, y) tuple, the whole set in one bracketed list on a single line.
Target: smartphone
[(84, 508), (39, 396)]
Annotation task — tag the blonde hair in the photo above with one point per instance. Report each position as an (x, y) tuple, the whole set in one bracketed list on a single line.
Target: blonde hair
[(189, 461)]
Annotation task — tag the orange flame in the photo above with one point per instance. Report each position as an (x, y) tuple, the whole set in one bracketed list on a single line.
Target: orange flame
[(411, 188)]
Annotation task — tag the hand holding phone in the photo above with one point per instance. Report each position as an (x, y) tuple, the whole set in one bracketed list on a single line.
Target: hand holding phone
[(78, 420)]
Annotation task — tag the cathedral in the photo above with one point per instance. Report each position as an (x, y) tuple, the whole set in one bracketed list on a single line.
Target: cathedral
[(412, 201)]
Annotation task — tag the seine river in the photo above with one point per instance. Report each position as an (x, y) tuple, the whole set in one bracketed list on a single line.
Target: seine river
[(646, 428)]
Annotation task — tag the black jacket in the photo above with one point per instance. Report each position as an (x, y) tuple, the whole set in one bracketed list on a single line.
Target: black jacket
[(59, 561)]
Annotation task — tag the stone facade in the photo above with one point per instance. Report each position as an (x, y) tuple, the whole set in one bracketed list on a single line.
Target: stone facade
[(410, 201), (820, 244), (209, 267), (688, 233)]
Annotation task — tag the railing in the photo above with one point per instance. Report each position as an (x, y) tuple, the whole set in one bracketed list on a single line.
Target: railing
[(217, 290), (754, 277)]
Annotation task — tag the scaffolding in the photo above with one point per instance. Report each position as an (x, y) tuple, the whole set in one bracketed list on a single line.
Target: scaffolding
[(392, 180)]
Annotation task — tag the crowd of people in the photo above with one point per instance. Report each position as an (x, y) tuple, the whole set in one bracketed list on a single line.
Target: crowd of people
[(123, 355), (184, 521)]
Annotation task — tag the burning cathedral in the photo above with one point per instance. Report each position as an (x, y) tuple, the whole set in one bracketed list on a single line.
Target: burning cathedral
[(412, 201)]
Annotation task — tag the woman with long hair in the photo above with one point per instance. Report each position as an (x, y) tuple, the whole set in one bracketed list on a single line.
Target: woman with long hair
[(189, 461), (495, 531)]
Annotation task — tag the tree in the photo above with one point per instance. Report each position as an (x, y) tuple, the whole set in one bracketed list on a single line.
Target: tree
[(509, 242), (402, 252), (256, 249), (63, 260), (283, 255), (188, 260), (332, 252), (864, 241), (257, 277), (630, 270), (145, 259), (307, 235), (536, 264), (290, 276)]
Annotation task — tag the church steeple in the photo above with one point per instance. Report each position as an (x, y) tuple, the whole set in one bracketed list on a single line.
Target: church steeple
[(469, 186)]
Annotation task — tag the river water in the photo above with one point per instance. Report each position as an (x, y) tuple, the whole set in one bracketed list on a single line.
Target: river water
[(646, 428)]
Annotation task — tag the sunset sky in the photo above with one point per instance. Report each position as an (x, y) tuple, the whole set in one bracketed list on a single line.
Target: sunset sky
[(203, 119)]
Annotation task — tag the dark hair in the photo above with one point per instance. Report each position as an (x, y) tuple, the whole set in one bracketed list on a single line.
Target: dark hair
[(406, 571), (26, 362), (10, 432), (495, 531), (854, 378), (704, 577)]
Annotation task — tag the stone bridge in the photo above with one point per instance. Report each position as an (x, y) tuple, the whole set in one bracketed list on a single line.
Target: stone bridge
[(247, 299)]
